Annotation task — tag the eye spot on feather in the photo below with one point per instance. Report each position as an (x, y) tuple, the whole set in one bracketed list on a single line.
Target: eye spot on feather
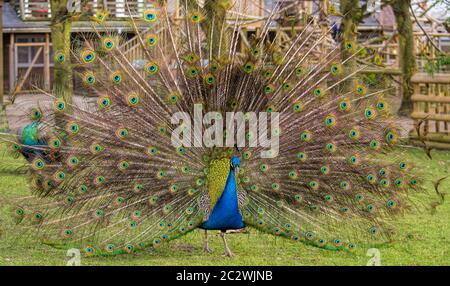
[(109, 248), (269, 89), (196, 17), (264, 168), (374, 145), (354, 160), (372, 179), (116, 77), (391, 137), (151, 40), (360, 89), (275, 186), (59, 176), (254, 188), (299, 71), (36, 113), (88, 56), (152, 151), (122, 133), (173, 98), (287, 87), (96, 148), (104, 102), (349, 46), (256, 52), (151, 68), (293, 175), (384, 183), (161, 174), (330, 147), (89, 79), (209, 79), (305, 136), (123, 165), (108, 44), (55, 143), (325, 170), (249, 67), (344, 105), (336, 69), (82, 189), (354, 133), (150, 16), (301, 156), (313, 185), (318, 92), (38, 164), (60, 57), (297, 107), (192, 72), (330, 121), (133, 100), (391, 204), (72, 161), (344, 185), (59, 105), (369, 113)]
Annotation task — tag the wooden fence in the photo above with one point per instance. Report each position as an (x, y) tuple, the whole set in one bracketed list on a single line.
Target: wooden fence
[(431, 107)]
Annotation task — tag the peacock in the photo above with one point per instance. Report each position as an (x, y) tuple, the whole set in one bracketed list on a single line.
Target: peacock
[(320, 166), (32, 143)]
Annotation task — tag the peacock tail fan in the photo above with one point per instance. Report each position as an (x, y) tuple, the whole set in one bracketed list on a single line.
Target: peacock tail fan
[(110, 180)]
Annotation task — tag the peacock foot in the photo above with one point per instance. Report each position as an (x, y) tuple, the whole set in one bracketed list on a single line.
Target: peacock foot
[(207, 249), (228, 253)]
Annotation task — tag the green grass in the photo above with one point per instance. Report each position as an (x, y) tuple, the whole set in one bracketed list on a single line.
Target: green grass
[(424, 237)]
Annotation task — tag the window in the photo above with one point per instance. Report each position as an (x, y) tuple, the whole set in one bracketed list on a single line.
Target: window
[(25, 54)]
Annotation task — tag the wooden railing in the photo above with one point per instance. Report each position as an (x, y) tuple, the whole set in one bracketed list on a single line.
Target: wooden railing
[(34, 10), (427, 51), (431, 109)]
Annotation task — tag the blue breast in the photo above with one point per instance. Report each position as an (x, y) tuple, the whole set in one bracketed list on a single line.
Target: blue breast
[(225, 214)]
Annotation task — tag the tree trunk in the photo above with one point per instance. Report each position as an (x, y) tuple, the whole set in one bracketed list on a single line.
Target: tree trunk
[(61, 29), (407, 51), (214, 25), (351, 16)]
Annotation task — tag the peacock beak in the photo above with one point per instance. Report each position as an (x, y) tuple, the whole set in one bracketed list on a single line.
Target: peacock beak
[(236, 170)]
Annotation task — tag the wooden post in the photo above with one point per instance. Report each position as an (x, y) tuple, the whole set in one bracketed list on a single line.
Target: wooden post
[(1, 54), (12, 70), (22, 9), (3, 119), (47, 62)]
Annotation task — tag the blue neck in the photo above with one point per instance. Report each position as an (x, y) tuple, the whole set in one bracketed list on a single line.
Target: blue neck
[(225, 214)]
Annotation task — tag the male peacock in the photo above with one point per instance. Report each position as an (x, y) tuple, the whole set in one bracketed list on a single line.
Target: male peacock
[(32, 143), (118, 184)]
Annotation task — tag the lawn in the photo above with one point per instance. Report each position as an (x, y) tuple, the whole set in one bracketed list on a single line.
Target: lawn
[(424, 236)]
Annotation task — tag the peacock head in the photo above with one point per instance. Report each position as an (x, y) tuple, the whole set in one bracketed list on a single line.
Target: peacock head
[(235, 163)]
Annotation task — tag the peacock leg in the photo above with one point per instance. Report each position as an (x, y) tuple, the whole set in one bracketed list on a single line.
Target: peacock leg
[(205, 245), (227, 249)]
